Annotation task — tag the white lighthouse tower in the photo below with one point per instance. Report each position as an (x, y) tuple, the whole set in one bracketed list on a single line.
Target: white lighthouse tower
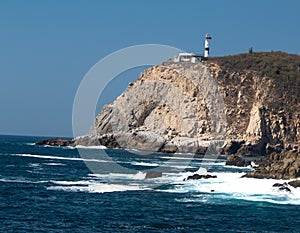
[(206, 45)]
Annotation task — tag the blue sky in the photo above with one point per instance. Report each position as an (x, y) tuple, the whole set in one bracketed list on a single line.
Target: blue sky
[(46, 47)]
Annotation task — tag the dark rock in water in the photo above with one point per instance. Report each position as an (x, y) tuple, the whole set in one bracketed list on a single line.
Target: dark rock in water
[(277, 185), (56, 142), (285, 188), (153, 174), (282, 187), (284, 165), (197, 177), (235, 160), (295, 183)]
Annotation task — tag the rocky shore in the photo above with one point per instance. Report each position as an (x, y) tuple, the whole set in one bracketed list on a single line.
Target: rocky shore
[(244, 106)]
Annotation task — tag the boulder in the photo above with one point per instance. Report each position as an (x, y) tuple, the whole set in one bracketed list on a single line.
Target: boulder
[(236, 160), (169, 147), (282, 187), (140, 140), (295, 183), (197, 177)]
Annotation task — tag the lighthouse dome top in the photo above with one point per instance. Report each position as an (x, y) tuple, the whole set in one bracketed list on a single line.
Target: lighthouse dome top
[(207, 36)]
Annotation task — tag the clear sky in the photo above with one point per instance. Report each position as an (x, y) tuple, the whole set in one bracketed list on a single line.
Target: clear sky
[(46, 47)]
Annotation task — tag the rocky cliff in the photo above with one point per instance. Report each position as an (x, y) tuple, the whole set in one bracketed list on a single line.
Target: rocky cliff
[(261, 92), (250, 101), (244, 105)]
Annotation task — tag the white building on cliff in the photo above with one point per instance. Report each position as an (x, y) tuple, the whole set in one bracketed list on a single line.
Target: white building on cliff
[(192, 57)]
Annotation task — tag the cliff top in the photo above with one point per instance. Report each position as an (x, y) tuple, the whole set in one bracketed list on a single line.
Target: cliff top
[(282, 67)]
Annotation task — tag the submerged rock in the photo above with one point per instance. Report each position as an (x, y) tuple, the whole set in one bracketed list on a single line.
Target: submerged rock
[(198, 177)]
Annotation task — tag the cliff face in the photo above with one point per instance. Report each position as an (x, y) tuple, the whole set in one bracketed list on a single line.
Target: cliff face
[(261, 93), (163, 110), (241, 99)]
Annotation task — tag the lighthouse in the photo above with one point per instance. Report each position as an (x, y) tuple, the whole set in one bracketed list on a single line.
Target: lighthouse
[(206, 45)]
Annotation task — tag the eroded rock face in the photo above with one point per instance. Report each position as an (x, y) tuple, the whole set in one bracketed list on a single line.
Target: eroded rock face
[(284, 165), (259, 110), (168, 109), (185, 107), (178, 104), (162, 101)]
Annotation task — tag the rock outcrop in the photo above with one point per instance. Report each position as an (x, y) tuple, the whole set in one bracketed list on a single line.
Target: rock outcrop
[(56, 142), (282, 187), (237, 160), (198, 177), (284, 165), (295, 183), (246, 104), (166, 110), (182, 107)]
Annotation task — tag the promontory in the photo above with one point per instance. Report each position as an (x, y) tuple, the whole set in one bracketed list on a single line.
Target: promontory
[(247, 105)]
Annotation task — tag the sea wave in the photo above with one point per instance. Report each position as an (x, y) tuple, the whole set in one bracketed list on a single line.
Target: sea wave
[(235, 187), (59, 158), (90, 147), (97, 188), (145, 164)]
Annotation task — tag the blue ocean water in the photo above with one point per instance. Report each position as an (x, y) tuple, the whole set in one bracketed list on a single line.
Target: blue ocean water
[(55, 189)]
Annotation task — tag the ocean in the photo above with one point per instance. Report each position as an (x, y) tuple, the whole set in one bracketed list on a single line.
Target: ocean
[(61, 189)]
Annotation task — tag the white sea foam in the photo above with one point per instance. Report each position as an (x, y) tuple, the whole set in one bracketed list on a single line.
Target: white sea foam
[(34, 165), (181, 167), (188, 158), (22, 181), (67, 182), (54, 164), (136, 176), (59, 158), (236, 187), (30, 144), (69, 147), (90, 147), (98, 188), (145, 164)]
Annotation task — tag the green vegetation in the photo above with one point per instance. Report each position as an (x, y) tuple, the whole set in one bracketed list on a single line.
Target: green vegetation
[(279, 65), (282, 68)]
